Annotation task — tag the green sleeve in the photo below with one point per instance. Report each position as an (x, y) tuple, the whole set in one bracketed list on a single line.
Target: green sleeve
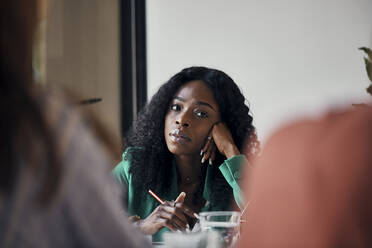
[(121, 171), (231, 170), (134, 206)]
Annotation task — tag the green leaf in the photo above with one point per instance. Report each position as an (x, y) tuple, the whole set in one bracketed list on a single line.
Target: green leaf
[(369, 89), (368, 51), (367, 61), (368, 68)]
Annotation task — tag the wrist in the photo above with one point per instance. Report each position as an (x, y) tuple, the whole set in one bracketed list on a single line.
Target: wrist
[(138, 225), (136, 221), (231, 151), (144, 228)]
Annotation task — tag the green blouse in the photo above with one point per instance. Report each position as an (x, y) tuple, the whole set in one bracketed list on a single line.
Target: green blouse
[(143, 204)]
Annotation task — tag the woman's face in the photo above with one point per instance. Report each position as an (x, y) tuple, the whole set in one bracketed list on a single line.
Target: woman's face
[(190, 116)]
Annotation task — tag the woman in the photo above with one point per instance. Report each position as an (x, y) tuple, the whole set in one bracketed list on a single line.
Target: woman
[(187, 139), (47, 198)]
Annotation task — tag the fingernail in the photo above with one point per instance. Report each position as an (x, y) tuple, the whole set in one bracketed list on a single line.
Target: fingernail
[(210, 161), (201, 152), (183, 193), (203, 160)]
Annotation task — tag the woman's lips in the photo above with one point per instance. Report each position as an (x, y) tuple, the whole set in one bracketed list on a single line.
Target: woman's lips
[(179, 136)]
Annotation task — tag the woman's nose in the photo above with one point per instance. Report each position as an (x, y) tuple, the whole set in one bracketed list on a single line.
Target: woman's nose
[(182, 120), (182, 123)]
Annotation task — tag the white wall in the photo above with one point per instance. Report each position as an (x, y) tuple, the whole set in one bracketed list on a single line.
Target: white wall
[(290, 57)]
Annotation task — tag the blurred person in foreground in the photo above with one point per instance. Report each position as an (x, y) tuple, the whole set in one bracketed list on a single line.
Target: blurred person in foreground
[(55, 186), (312, 185)]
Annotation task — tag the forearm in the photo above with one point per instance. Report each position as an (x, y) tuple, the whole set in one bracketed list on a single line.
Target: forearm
[(231, 150)]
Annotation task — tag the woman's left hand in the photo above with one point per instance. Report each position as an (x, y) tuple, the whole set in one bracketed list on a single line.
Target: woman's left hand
[(220, 138)]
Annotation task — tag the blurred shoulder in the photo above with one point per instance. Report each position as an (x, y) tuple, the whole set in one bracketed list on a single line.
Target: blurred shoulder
[(345, 122)]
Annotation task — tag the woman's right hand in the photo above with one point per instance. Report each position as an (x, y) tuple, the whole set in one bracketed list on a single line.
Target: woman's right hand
[(169, 214), (219, 138)]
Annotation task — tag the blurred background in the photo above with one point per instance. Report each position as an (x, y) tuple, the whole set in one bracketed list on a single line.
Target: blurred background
[(291, 58)]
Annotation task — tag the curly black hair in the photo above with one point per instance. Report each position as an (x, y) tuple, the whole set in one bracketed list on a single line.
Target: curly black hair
[(151, 166)]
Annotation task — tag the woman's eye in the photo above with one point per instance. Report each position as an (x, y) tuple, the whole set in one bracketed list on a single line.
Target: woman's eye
[(175, 107), (201, 114)]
